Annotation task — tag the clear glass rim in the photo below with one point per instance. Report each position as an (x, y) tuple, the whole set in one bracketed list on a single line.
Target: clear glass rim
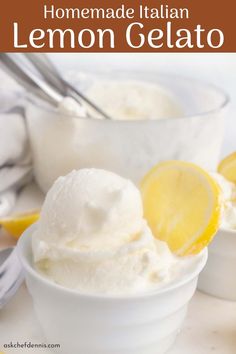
[(225, 98)]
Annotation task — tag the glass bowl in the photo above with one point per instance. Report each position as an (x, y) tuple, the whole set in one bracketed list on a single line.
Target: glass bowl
[(61, 142)]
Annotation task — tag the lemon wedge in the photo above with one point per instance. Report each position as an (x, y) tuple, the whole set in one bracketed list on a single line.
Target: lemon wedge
[(227, 167), (181, 205), (16, 224)]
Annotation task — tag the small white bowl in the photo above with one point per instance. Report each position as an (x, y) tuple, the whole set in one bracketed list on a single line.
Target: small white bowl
[(218, 278), (96, 324)]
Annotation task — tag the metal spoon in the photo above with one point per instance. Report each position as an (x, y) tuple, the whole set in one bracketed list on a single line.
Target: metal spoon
[(43, 79), (50, 73), (11, 274), (29, 80)]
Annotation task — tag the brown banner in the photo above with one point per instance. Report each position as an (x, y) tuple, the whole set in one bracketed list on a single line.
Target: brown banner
[(117, 26)]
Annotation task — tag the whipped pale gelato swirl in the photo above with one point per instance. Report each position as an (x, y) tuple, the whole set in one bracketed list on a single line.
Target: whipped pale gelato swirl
[(126, 100), (134, 100), (69, 106), (92, 237), (228, 201)]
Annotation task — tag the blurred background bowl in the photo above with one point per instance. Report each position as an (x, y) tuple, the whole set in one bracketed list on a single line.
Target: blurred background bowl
[(218, 278), (130, 148)]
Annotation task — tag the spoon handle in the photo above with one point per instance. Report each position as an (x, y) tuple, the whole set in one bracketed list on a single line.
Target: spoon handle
[(50, 73), (30, 81), (47, 70)]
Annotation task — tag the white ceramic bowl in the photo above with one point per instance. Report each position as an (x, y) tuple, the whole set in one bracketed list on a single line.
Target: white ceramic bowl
[(129, 148), (90, 324), (218, 278)]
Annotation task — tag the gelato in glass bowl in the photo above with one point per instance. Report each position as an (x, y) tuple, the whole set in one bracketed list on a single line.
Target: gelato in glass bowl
[(156, 117)]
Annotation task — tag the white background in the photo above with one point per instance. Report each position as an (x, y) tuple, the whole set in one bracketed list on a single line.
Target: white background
[(220, 69)]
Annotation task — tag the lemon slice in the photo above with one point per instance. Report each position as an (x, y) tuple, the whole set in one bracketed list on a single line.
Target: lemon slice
[(18, 223), (182, 205), (227, 167)]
